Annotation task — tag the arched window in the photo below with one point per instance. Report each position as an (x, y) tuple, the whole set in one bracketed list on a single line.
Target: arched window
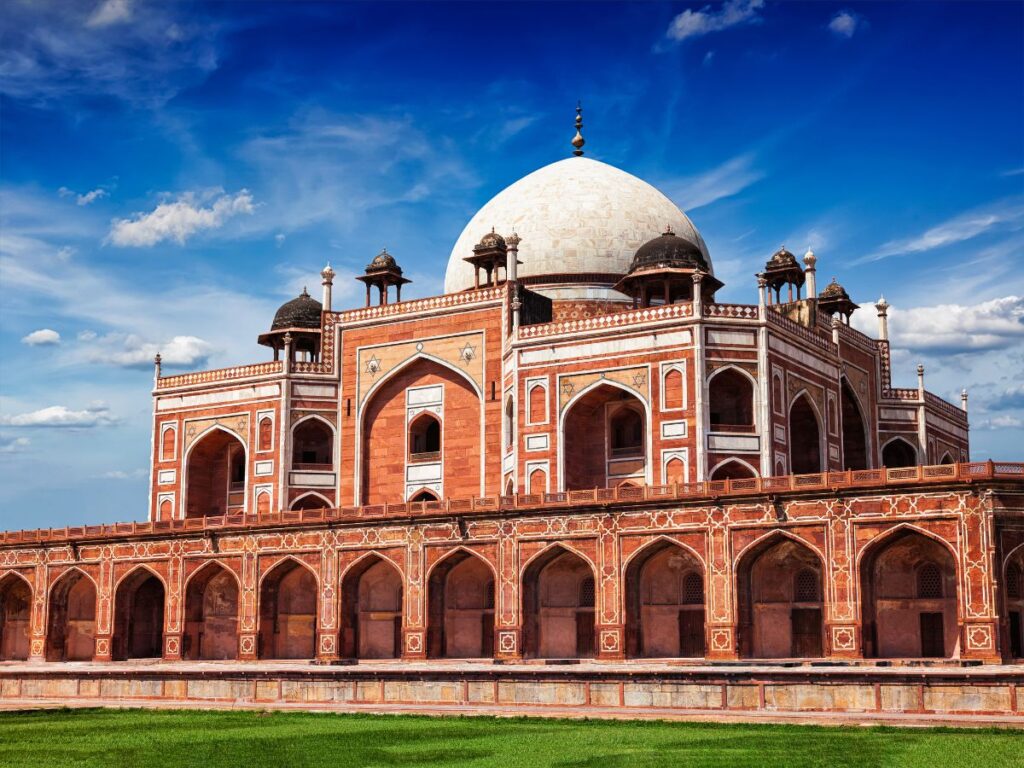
[(804, 437), (510, 423), (946, 458), (166, 509), (538, 481), (693, 588), (929, 582), (237, 468), (538, 404), (425, 438), (675, 471), (855, 444), (899, 453), (626, 430), (263, 504), (424, 495), (266, 434), (167, 444), (732, 470), (731, 399), (313, 446), (673, 385), (805, 586)]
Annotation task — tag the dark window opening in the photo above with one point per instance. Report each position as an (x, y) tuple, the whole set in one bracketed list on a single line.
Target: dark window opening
[(731, 400)]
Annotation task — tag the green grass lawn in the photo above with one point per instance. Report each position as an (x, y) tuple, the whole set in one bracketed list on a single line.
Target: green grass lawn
[(139, 738)]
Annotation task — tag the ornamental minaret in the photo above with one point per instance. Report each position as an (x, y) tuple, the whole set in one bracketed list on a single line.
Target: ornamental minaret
[(883, 318), (577, 140), (963, 400), (328, 282), (810, 260)]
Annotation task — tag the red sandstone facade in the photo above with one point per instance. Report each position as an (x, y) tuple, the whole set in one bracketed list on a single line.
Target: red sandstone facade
[(508, 472)]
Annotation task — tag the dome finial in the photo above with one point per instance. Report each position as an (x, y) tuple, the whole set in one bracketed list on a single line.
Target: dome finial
[(577, 140)]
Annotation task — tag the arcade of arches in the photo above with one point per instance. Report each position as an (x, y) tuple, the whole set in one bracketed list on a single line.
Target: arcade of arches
[(605, 416)]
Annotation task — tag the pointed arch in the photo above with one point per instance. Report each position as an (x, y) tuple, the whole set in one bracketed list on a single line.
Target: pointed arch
[(210, 489), (732, 408), (212, 598), (648, 441), (855, 434), (71, 617), (558, 604), (421, 495), (947, 458), (723, 471), (460, 605), (303, 501), (288, 609), (1012, 573), (139, 603), (372, 603), (775, 619), (806, 435), (662, 619), (899, 452), (314, 442), (410, 361), (16, 597)]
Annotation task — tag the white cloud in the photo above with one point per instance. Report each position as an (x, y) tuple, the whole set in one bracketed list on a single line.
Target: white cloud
[(1004, 214), (41, 338), (86, 335), (1011, 397), (132, 351), (845, 24), (999, 422), (91, 197), (11, 444), (279, 239), (95, 415), (728, 179), (691, 23), (110, 12), (180, 219), (953, 328)]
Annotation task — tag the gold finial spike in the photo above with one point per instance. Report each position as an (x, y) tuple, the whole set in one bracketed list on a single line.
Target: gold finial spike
[(577, 140)]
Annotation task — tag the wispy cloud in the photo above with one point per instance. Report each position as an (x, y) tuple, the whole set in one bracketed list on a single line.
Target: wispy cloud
[(1009, 398), (95, 415), (728, 179), (120, 474), (12, 444), (845, 24), (41, 338), (86, 198), (110, 12), (690, 23), (1002, 215), (181, 219)]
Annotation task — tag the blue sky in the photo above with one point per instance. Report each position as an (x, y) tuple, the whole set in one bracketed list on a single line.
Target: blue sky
[(171, 172)]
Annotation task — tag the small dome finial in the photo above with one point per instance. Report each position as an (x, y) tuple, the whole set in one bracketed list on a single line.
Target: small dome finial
[(577, 140)]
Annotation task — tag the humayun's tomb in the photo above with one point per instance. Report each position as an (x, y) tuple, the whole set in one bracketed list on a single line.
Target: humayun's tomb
[(575, 453)]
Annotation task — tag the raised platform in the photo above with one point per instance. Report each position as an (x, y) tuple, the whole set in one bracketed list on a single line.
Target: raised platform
[(855, 693)]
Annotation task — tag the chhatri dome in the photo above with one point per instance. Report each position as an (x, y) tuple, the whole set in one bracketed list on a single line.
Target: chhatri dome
[(581, 222)]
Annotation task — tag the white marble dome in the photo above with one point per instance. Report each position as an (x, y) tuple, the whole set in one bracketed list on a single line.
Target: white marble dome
[(576, 217)]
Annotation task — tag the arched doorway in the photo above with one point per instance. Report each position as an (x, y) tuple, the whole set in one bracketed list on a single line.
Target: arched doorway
[(371, 600), (1014, 591), (731, 402), (804, 437), (211, 614), (899, 453), (665, 603), (71, 629), (558, 606), (385, 417), (15, 618), (855, 434), (780, 601), (215, 475), (139, 616), (909, 598), (313, 446), (732, 470), (608, 417), (288, 600), (461, 608)]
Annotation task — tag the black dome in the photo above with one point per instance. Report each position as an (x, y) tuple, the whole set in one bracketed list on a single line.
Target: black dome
[(666, 251), (301, 312)]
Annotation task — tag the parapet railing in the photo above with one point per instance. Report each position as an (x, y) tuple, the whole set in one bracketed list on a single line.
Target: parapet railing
[(709, 489), (220, 374), (611, 320)]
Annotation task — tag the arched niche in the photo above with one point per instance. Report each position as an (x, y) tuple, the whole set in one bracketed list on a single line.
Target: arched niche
[(604, 438), (215, 475), (460, 596), (899, 453), (15, 618), (211, 614), (311, 501), (139, 616), (558, 606), (909, 598), (371, 602), (733, 469), (288, 612), (779, 595), (71, 623), (313, 445), (855, 432), (664, 589), (425, 438), (1013, 591), (731, 401), (804, 437)]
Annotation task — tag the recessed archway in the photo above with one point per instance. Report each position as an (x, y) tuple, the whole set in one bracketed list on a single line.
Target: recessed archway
[(460, 597), (15, 617), (804, 437), (1013, 591), (558, 606), (614, 421), (311, 500), (139, 616), (855, 434), (313, 445), (733, 469), (731, 401), (425, 438), (909, 597), (664, 588), (780, 601), (371, 602), (288, 602), (71, 625), (211, 614), (215, 475), (899, 453)]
